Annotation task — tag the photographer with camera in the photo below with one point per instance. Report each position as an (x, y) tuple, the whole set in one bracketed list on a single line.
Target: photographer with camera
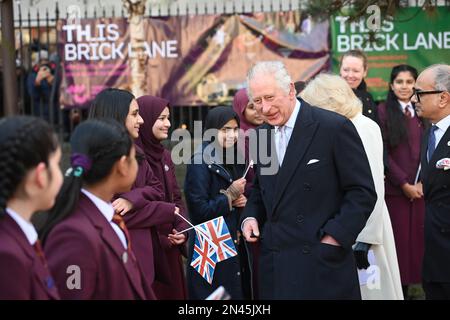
[(39, 86)]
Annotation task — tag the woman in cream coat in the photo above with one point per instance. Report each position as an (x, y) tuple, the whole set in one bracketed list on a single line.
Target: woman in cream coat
[(331, 92)]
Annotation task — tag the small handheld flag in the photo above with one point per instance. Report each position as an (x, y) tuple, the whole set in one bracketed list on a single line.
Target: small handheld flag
[(213, 244)]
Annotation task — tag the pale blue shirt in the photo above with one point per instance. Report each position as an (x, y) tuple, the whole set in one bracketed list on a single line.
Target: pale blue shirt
[(107, 210), (442, 125), (289, 127), (26, 226)]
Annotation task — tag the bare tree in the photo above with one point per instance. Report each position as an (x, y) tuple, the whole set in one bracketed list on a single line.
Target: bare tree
[(323, 9), (138, 58)]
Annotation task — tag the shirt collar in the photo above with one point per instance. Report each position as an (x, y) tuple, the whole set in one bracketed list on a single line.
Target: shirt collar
[(26, 226), (105, 208), (293, 118), (443, 124), (404, 105)]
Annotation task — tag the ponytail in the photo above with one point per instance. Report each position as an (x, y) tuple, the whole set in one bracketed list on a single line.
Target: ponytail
[(96, 147)]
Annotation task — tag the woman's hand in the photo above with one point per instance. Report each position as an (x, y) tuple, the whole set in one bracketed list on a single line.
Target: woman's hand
[(239, 185), (177, 239), (412, 192), (240, 202), (122, 206)]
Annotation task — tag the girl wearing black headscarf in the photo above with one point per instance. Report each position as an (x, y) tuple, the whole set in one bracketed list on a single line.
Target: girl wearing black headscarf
[(214, 187)]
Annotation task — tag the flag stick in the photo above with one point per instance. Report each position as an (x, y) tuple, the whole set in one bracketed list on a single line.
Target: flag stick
[(192, 226), (182, 231), (417, 174), (185, 220), (248, 168)]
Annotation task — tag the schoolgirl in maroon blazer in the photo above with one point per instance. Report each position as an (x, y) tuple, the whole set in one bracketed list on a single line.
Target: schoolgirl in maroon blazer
[(143, 207), (88, 246), (30, 178)]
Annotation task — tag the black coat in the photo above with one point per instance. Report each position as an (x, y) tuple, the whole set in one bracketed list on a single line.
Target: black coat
[(204, 201), (302, 202), (370, 110), (369, 106), (436, 187)]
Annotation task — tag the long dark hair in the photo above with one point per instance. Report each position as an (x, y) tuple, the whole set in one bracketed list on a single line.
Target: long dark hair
[(114, 104), (103, 142), (24, 143), (111, 103), (395, 122)]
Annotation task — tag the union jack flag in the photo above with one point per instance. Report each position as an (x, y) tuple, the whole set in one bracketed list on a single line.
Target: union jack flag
[(204, 257), (217, 231), (213, 244)]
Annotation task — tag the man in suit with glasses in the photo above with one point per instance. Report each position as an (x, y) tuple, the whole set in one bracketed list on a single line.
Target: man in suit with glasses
[(432, 101)]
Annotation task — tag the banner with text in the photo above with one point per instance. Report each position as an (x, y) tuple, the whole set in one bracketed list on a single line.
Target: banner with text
[(413, 37), (189, 60)]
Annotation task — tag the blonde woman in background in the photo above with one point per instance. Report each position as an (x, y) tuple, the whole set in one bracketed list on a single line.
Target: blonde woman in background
[(331, 92)]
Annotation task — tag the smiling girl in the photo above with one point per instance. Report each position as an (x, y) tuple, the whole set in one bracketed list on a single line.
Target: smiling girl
[(156, 114), (402, 133), (143, 208)]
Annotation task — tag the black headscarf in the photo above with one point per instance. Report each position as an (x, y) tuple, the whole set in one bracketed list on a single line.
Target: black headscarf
[(216, 119), (219, 116)]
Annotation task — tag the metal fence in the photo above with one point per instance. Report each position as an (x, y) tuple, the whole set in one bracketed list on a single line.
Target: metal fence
[(37, 33), (37, 42), (38, 49)]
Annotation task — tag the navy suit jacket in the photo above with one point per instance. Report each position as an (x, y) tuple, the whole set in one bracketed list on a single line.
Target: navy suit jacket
[(436, 187), (297, 206), (23, 275)]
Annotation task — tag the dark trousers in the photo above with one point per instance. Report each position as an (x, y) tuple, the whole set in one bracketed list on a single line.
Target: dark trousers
[(437, 290)]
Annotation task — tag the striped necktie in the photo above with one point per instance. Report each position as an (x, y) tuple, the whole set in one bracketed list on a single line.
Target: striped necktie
[(282, 144), (118, 219), (408, 113), (431, 141)]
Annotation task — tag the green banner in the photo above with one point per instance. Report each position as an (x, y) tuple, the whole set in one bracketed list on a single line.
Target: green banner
[(413, 36)]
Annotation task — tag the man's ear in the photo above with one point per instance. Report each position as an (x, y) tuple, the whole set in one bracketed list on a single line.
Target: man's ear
[(444, 99), (122, 165), (292, 92)]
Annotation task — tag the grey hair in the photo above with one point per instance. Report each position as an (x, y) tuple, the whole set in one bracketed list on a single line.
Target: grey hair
[(441, 74), (275, 68)]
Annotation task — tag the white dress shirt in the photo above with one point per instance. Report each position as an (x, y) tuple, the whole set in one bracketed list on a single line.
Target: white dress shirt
[(26, 226), (107, 210), (289, 128), (442, 128)]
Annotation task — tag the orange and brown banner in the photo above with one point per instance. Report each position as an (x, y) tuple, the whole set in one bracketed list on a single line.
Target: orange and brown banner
[(189, 60)]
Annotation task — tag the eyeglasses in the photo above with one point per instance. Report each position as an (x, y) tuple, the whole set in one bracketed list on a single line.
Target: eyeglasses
[(417, 93)]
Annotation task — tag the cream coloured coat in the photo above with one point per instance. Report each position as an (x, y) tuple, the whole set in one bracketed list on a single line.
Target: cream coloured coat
[(378, 230)]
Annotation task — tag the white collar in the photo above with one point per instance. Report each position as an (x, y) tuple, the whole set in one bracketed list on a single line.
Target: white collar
[(26, 226), (105, 208), (404, 105), (293, 118), (443, 124)]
